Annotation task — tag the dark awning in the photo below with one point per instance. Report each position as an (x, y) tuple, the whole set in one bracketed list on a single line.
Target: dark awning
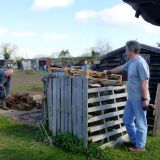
[(148, 9)]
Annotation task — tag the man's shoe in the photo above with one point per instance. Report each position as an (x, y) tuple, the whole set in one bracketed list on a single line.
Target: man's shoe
[(5, 108), (136, 149)]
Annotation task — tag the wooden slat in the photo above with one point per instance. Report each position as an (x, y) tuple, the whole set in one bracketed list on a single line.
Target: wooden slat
[(49, 102), (79, 106), (69, 105), (58, 104), (62, 105), (115, 101), (107, 115), (44, 102), (107, 106), (54, 105), (92, 90), (74, 105), (103, 98), (85, 111), (103, 136), (65, 97), (156, 129), (103, 126)]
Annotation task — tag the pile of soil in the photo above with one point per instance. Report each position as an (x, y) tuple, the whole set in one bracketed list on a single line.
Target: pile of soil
[(21, 102)]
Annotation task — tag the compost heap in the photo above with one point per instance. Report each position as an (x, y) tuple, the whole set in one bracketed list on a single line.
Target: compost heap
[(21, 102)]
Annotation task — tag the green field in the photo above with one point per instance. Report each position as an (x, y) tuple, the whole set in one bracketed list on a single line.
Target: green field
[(27, 81), (17, 143)]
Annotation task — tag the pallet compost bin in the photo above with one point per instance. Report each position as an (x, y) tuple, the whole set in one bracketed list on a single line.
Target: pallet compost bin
[(91, 114)]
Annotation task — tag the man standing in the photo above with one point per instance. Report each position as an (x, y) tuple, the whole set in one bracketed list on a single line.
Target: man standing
[(134, 116), (5, 78)]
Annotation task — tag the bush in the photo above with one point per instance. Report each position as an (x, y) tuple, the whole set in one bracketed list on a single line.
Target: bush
[(71, 144)]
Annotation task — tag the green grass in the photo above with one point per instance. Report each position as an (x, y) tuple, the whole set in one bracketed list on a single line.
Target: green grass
[(121, 152), (17, 142), (27, 81), (37, 86), (32, 72)]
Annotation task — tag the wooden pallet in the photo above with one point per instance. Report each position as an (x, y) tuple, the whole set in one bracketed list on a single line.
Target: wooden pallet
[(106, 106), (92, 114), (113, 80), (94, 75)]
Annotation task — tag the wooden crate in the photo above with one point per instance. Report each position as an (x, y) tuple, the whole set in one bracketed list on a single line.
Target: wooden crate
[(92, 114), (105, 110)]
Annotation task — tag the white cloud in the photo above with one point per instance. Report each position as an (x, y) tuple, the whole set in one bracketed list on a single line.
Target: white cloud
[(48, 4), (23, 34), (151, 29), (86, 15), (51, 51), (3, 30), (54, 36), (120, 15), (25, 52), (28, 52)]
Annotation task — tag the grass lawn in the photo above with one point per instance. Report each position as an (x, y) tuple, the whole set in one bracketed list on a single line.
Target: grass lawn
[(17, 142), (27, 81)]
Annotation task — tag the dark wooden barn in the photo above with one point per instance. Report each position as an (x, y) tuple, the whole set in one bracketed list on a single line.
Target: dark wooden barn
[(118, 57)]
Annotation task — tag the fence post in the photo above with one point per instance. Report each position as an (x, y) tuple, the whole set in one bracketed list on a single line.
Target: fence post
[(156, 128)]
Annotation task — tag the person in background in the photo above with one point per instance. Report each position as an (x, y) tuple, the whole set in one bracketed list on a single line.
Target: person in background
[(134, 116), (5, 80)]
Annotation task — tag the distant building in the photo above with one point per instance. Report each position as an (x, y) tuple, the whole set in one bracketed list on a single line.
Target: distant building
[(26, 64), (6, 63)]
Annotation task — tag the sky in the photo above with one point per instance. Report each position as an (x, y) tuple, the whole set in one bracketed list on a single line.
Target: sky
[(45, 27)]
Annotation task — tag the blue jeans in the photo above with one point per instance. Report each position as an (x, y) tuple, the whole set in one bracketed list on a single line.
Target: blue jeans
[(135, 121), (6, 84)]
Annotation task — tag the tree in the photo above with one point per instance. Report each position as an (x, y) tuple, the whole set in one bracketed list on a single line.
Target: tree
[(16, 59), (64, 53), (7, 50), (158, 44), (103, 47), (95, 54)]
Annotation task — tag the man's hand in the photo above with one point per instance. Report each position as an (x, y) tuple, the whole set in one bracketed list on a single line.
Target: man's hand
[(145, 104), (113, 71), (8, 73), (108, 72)]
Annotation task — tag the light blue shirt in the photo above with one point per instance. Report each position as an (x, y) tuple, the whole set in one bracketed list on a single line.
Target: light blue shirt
[(138, 71)]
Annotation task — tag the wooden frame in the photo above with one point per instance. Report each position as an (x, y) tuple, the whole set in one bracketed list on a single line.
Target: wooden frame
[(92, 114)]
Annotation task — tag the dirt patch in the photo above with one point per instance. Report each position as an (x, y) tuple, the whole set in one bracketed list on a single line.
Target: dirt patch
[(31, 118), (22, 102)]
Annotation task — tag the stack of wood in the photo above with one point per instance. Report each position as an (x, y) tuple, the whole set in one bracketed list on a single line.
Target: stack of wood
[(95, 78)]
